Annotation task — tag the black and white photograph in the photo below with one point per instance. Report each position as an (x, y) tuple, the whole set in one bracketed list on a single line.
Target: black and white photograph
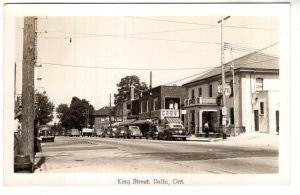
[(146, 94)]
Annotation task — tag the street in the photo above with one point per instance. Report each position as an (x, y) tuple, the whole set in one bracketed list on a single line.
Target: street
[(111, 155)]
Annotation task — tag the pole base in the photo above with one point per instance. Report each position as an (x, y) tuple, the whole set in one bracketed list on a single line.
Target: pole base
[(23, 164)]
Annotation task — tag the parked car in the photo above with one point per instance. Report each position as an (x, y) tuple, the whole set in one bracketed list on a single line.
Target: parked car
[(134, 131), (111, 132), (153, 133), (74, 132), (173, 131), (100, 132), (87, 132), (123, 132), (45, 133)]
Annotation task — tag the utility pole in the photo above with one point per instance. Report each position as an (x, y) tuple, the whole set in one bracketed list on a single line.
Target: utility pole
[(110, 109), (233, 91), (224, 110), (24, 160), (150, 99)]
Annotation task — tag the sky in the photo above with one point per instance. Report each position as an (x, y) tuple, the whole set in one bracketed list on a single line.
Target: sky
[(86, 56)]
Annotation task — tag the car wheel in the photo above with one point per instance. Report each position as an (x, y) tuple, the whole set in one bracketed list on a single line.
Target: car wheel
[(184, 139)]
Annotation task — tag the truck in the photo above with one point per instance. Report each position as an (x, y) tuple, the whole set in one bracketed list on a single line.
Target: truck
[(88, 132)]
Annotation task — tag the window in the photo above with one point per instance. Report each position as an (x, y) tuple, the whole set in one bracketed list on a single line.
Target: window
[(210, 90), (147, 104), (193, 94), (155, 104), (141, 107), (259, 84), (231, 116), (200, 92), (262, 107), (144, 106)]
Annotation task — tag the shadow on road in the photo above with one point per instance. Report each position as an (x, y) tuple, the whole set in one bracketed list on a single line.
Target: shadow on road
[(41, 161)]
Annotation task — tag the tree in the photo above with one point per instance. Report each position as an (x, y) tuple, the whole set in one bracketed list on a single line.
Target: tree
[(63, 113), (76, 115), (44, 109), (124, 86)]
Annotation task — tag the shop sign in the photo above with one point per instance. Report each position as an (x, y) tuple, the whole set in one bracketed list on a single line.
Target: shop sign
[(169, 113)]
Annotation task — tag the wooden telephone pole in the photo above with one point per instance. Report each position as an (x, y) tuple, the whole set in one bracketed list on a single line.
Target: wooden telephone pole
[(24, 160)]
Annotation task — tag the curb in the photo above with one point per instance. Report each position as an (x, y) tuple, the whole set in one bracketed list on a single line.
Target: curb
[(205, 140)]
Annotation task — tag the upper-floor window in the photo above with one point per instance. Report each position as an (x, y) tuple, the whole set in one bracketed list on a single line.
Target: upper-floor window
[(200, 92), (210, 90), (259, 84), (193, 94), (155, 104)]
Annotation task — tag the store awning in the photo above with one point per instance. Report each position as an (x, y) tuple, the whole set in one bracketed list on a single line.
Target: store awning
[(173, 120), (127, 122), (141, 122)]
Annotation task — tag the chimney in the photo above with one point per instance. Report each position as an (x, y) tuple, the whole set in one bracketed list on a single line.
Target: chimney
[(131, 92)]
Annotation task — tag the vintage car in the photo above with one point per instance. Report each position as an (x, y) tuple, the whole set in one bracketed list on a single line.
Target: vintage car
[(123, 132), (100, 132), (153, 133), (74, 132), (134, 132), (45, 133), (111, 132), (173, 131)]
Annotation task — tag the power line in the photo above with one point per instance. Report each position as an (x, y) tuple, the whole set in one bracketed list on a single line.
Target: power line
[(137, 54), (118, 68), (194, 23), (141, 38), (189, 76)]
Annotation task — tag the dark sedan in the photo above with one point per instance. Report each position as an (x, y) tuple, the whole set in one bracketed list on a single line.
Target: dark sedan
[(173, 131)]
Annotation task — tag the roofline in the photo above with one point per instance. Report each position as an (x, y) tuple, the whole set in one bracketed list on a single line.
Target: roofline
[(238, 70), (228, 63)]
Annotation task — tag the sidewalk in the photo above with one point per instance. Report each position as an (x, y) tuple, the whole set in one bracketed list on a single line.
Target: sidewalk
[(244, 140)]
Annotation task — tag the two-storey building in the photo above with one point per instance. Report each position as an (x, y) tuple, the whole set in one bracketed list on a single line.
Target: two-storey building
[(254, 105), (102, 117), (163, 104)]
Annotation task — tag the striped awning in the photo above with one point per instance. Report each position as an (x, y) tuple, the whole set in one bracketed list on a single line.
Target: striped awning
[(173, 120)]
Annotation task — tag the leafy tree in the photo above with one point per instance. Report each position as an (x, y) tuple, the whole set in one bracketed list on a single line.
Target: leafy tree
[(124, 85), (75, 116), (44, 109), (63, 113)]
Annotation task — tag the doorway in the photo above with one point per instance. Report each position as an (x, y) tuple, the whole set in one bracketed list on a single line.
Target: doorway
[(256, 120)]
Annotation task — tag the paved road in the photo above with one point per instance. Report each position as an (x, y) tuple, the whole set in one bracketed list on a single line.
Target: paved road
[(109, 155)]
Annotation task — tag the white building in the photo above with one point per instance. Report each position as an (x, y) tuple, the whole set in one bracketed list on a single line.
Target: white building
[(256, 96)]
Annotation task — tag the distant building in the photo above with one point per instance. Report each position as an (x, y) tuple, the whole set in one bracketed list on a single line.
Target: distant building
[(256, 96), (101, 117)]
